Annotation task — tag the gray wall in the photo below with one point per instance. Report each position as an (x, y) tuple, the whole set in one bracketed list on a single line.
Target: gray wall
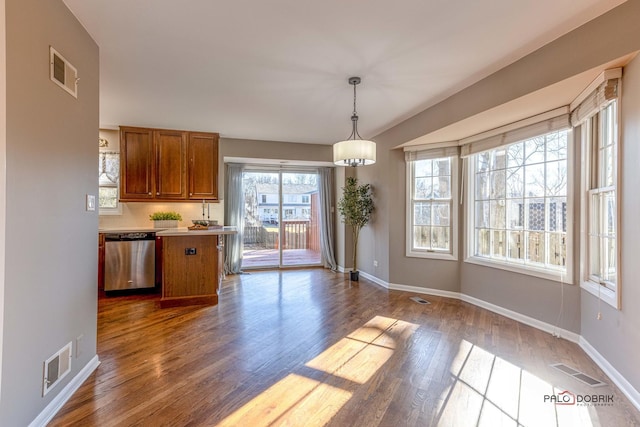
[(51, 264), (617, 335)]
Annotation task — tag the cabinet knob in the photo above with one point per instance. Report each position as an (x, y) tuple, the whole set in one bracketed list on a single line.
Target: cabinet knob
[(158, 193), (149, 192), (191, 194)]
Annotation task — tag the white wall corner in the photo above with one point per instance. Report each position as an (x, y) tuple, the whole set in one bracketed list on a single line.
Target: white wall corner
[(56, 404), (632, 394)]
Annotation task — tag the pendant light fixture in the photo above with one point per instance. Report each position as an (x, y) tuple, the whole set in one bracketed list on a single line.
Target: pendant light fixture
[(354, 151)]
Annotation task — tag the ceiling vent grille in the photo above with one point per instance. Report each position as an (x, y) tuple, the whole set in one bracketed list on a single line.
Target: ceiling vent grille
[(63, 73)]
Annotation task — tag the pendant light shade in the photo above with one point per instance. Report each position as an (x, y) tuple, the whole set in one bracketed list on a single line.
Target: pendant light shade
[(354, 151)]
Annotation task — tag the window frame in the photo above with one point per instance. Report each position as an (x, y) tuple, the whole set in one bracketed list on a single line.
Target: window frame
[(452, 253), (556, 275), (590, 144)]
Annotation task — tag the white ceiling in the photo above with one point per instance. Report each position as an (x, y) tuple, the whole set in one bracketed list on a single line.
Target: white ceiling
[(278, 69)]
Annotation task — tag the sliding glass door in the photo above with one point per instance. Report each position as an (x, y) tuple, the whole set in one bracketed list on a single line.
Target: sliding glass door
[(281, 219)]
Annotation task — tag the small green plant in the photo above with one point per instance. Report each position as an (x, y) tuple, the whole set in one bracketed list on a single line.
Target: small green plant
[(355, 207), (164, 216)]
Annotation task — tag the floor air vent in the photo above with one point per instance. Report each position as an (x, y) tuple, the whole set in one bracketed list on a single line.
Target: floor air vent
[(580, 376), (419, 300)]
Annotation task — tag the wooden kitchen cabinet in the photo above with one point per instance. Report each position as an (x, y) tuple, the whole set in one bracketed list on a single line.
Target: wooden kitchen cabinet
[(203, 166), (137, 164), (167, 165), (171, 164)]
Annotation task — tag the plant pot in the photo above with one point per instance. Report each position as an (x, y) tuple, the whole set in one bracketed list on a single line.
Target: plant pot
[(354, 276), (166, 223)]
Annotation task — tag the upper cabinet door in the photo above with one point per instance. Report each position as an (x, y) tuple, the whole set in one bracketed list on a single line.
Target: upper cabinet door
[(203, 166), (171, 165), (137, 174)]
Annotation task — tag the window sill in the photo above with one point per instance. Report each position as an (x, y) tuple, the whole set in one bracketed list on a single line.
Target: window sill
[(432, 255), (553, 275), (604, 294)]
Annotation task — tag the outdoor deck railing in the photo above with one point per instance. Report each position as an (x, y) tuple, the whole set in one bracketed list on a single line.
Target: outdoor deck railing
[(296, 234)]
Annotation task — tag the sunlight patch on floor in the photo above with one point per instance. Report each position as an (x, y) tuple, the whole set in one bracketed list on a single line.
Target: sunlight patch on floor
[(487, 390), (346, 365)]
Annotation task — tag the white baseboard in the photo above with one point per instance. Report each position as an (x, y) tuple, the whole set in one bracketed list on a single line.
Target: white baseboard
[(632, 394), (374, 279), (56, 404), (341, 269), (427, 291)]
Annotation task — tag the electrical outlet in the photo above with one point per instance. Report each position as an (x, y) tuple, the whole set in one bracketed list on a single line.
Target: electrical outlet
[(79, 345), (375, 263)]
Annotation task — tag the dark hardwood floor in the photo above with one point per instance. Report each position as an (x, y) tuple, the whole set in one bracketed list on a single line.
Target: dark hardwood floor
[(307, 347)]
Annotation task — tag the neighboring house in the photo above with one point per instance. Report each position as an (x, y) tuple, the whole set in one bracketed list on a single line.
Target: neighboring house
[(296, 201)]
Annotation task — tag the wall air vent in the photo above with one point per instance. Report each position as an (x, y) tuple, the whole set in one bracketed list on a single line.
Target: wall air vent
[(62, 73), (56, 368)]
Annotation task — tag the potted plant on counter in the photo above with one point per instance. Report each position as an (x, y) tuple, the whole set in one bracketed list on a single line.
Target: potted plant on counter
[(355, 207), (165, 219)]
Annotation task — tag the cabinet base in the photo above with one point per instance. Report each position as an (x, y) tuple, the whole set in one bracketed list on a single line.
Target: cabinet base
[(184, 301)]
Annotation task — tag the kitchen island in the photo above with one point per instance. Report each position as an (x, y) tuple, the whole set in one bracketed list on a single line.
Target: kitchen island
[(192, 265)]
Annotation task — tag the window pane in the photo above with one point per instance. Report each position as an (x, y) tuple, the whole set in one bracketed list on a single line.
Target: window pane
[(441, 214), (609, 213), (557, 249), (594, 256), (484, 162), (534, 150), (482, 186), (535, 214), (440, 238), (498, 187), (499, 244), (442, 167), (422, 237), (535, 247), (442, 187), (515, 212), (482, 242), (482, 214), (498, 214), (608, 166), (609, 260), (108, 197), (556, 178), (422, 213), (516, 249), (422, 168), (558, 214), (534, 180), (515, 182), (556, 146), (515, 155), (423, 188)]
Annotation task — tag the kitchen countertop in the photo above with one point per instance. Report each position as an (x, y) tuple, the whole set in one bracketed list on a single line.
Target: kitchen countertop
[(130, 230), (184, 231)]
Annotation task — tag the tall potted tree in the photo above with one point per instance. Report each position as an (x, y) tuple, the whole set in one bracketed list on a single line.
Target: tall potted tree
[(355, 207)]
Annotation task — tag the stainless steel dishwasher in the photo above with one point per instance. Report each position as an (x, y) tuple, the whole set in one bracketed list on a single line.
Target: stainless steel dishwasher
[(129, 260)]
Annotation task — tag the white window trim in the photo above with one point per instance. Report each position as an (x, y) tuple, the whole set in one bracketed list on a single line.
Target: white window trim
[(410, 252), (607, 295), (558, 275)]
